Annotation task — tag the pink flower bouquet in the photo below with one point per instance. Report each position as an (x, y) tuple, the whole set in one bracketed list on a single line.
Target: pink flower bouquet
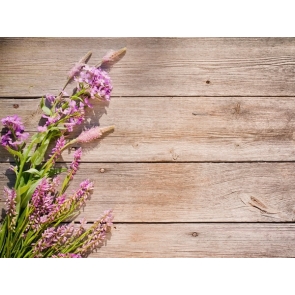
[(37, 207)]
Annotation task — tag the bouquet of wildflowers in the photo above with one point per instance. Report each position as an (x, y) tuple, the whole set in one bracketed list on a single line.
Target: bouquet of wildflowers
[(37, 207)]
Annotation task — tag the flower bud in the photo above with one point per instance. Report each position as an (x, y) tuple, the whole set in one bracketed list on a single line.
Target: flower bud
[(93, 133), (111, 58)]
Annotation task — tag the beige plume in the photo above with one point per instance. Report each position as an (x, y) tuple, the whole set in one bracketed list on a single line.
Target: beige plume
[(111, 58)]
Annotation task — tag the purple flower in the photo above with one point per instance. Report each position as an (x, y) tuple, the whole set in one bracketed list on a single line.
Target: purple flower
[(81, 229), (55, 183), (53, 237), (77, 200), (67, 255), (108, 217), (10, 201), (86, 185), (13, 122), (76, 114), (42, 128), (96, 81), (97, 234), (50, 98), (52, 119), (71, 113), (42, 203), (71, 109), (14, 134), (75, 164), (56, 151), (83, 193)]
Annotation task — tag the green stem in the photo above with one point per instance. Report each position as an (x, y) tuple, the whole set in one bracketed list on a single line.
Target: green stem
[(20, 232), (8, 242), (50, 162), (3, 237)]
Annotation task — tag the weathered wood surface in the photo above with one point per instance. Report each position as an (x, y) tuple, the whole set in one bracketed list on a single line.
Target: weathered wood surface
[(200, 240), (181, 106), (155, 66), (188, 192), (182, 128)]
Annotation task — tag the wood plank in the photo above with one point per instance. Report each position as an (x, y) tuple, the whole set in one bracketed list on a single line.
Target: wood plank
[(154, 66), (181, 129), (200, 240), (188, 192)]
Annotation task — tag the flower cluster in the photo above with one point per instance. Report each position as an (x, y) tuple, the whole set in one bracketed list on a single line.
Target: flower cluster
[(14, 135), (41, 204), (92, 83), (95, 81), (75, 164), (57, 150), (10, 201), (62, 111), (38, 208)]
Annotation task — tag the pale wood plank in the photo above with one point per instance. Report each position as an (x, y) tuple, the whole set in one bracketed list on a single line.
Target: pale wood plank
[(188, 192), (154, 66), (200, 240), (182, 129)]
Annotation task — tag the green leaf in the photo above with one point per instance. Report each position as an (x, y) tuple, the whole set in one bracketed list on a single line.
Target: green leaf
[(19, 229), (33, 171), (55, 171), (2, 236), (34, 156), (42, 102), (75, 97), (18, 201), (41, 152), (22, 180), (38, 137), (46, 110), (14, 152), (23, 189), (26, 198)]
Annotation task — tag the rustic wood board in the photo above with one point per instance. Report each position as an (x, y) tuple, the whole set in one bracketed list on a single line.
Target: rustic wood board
[(201, 163), (154, 66), (200, 240), (181, 129), (188, 192)]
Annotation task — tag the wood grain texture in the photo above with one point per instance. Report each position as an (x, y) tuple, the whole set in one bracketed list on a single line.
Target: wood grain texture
[(154, 66), (187, 192), (181, 129), (200, 240), (182, 107)]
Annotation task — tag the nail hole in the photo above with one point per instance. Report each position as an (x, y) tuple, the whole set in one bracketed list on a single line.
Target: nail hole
[(194, 234), (74, 148), (207, 82), (16, 106)]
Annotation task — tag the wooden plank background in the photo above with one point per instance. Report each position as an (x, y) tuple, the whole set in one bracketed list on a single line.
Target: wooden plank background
[(201, 163)]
